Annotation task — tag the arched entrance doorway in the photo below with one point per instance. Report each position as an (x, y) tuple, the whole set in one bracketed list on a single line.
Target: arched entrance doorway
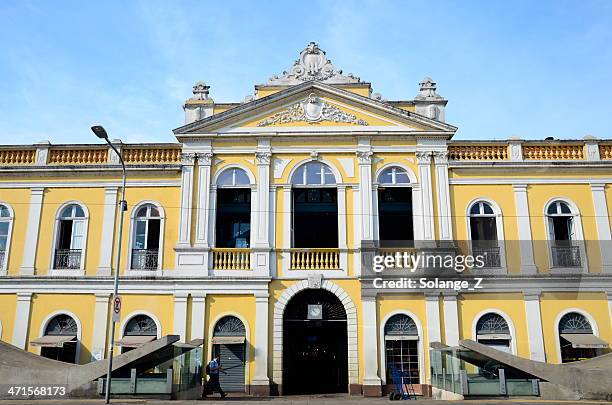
[(229, 338), (315, 352)]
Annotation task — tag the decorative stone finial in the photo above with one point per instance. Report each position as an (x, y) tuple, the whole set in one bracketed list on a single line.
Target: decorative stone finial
[(428, 90), (200, 91), (313, 65)]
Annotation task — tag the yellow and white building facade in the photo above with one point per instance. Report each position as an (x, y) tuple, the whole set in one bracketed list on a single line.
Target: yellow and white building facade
[(249, 231)]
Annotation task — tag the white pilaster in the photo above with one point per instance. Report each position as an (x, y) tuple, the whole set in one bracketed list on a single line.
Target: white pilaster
[(356, 231), (198, 315), (100, 327), (451, 320), (31, 236), (432, 310), (523, 221), (180, 316), (261, 225), (534, 327), (370, 342), (342, 227), (202, 217), (261, 340), (108, 232), (365, 191), (22, 320), (603, 226), (287, 227), (187, 162), (424, 164), (444, 207)]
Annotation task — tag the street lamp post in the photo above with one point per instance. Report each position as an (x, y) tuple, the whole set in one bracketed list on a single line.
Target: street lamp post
[(101, 133)]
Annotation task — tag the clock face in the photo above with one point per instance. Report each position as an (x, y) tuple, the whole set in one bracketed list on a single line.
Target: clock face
[(315, 311)]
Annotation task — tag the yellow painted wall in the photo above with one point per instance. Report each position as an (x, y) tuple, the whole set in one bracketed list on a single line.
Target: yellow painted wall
[(81, 305), (19, 200), (470, 306), (8, 305), (553, 303)]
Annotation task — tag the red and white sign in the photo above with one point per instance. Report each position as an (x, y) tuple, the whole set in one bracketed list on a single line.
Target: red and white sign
[(117, 308)]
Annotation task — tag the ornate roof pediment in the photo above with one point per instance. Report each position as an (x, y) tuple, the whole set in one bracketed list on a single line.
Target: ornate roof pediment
[(312, 65)]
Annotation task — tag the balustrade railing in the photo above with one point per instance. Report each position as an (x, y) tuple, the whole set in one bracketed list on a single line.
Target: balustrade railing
[(67, 259), (605, 151), (490, 255), (553, 152), (77, 156), (565, 256), (2, 257), (151, 155), (315, 259), (478, 152), (231, 259), (145, 259), (17, 156)]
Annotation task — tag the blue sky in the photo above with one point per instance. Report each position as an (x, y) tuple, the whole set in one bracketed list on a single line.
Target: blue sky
[(528, 69)]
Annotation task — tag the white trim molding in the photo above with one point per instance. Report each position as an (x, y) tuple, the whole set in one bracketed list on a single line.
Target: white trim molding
[(56, 229), (499, 226), (7, 248), (32, 233), (508, 320), (49, 317), (137, 312), (602, 220), (107, 239), (523, 222), (560, 315), (132, 228)]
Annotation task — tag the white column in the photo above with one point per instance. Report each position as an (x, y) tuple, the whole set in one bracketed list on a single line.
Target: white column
[(31, 236), (364, 155), (202, 217), (180, 316), (356, 231), (427, 218), (187, 162), (198, 315), (108, 232), (100, 327), (261, 226), (261, 340), (451, 320), (342, 227), (287, 227), (370, 342), (603, 226), (609, 294), (534, 327), (432, 311), (444, 207), (22, 320), (523, 221)]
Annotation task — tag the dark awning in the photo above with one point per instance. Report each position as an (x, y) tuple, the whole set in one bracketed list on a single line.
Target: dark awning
[(52, 340), (585, 341)]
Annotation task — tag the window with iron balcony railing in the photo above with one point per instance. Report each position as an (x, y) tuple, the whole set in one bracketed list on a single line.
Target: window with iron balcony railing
[(67, 259), (145, 259)]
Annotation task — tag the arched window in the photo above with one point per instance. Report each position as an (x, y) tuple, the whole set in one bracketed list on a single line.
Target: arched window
[(576, 338), (229, 337), (146, 238), (401, 347), (562, 234), (6, 222), (493, 330), (59, 340), (395, 222), (313, 173), (483, 233), (315, 206), (233, 177), (70, 239), (393, 175), (233, 212), (139, 330)]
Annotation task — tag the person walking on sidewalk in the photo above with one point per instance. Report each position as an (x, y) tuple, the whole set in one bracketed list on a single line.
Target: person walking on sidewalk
[(212, 369)]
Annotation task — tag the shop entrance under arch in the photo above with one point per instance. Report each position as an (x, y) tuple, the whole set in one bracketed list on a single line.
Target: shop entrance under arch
[(315, 350)]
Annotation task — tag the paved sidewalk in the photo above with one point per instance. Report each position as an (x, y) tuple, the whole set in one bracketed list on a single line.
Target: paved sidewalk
[(297, 400)]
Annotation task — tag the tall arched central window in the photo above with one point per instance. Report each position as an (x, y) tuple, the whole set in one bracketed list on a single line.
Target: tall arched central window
[(315, 206), (401, 347), (576, 338), (146, 238), (483, 233), (233, 214), (562, 234), (6, 222), (70, 238), (395, 222)]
